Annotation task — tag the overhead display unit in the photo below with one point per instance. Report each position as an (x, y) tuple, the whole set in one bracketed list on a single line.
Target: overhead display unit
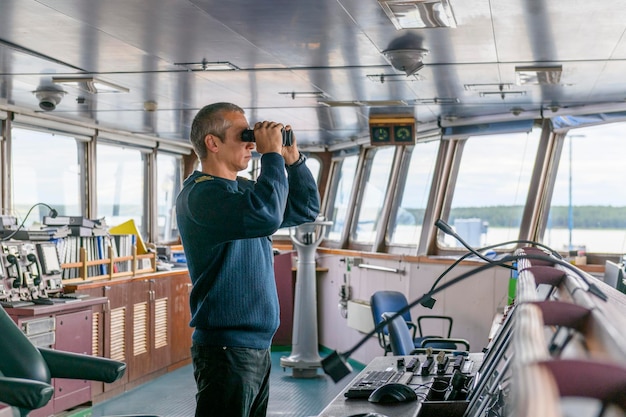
[(392, 130)]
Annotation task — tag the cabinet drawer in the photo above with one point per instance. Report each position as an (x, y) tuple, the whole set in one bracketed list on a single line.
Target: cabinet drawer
[(42, 339), (37, 326)]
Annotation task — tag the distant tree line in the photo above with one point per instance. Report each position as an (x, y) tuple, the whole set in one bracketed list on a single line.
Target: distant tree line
[(584, 217)]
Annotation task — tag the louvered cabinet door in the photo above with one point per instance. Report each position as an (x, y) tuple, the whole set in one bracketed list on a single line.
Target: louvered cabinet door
[(139, 345), (161, 315), (114, 322), (150, 323)]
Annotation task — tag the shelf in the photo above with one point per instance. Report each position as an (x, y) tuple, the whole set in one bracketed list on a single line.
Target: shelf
[(111, 263)]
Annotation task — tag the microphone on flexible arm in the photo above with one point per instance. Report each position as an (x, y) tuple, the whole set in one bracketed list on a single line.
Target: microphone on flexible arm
[(53, 213), (335, 364), (445, 227), (591, 287)]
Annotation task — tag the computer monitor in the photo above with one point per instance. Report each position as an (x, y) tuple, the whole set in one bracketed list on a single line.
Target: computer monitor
[(614, 275)]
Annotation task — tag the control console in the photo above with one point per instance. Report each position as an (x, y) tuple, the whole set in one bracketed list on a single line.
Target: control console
[(29, 273)]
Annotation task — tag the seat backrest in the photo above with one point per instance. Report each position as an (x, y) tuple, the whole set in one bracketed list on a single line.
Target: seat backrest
[(24, 373), (445, 321), (388, 301), (399, 335), (19, 358)]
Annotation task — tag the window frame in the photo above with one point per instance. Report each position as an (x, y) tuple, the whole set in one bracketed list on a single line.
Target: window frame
[(81, 143), (402, 175), (454, 159), (331, 196)]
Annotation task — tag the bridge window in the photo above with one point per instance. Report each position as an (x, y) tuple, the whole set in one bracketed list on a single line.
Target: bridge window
[(168, 187), (588, 208), (46, 169), (314, 166), (341, 190), (121, 191), (407, 224), (491, 188), (376, 181)]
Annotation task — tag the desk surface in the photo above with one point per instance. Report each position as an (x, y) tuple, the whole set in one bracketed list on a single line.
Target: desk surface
[(40, 309), (344, 407)]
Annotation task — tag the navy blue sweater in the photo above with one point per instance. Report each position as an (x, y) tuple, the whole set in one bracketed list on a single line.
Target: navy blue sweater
[(225, 228)]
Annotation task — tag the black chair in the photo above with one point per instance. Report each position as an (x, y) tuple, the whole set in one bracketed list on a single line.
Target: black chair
[(26, 371), (393, 301)]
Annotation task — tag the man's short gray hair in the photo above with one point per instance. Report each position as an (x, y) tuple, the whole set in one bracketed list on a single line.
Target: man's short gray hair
[(210, 121)]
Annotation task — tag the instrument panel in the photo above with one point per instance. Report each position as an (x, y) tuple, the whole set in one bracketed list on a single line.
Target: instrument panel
[(29, 272)]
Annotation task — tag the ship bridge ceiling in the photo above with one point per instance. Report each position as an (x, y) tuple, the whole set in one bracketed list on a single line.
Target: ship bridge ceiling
[(323, 66)]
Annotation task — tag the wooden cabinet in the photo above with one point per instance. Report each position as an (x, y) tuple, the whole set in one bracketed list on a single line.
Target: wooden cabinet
[(66, 327), (73, 334), (150, 322), (99, 321), (145, 323), (116, 331), (285, 288), (181, 315)]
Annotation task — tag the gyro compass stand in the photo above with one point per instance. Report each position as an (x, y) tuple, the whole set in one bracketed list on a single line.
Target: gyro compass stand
[(304, 358)]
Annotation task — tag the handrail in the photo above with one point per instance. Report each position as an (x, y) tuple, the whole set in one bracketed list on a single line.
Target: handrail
[(381, 268)]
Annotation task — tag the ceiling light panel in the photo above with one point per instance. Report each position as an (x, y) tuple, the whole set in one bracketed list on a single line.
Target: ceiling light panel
[(436, 100), (205, 65), (359, 103), (302, 94), (90, 84), (502, 94), (488, 87), (392, 78), (538, 75), (418, 14)]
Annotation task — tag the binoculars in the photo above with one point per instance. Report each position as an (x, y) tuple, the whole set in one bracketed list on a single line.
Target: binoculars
[(248, 136)]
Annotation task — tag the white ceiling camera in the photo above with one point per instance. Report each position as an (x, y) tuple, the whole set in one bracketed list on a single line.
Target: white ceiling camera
[(49, 97)]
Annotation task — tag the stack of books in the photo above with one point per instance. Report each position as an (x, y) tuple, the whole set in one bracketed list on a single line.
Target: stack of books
[(10, 229), (83, 233), (78, 225), (96, 238)]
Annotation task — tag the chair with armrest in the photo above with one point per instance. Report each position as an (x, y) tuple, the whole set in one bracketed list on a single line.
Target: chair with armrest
[(393, 301), (439, 342), (389, 301), (402, 343), (26, 371), (400, 338)]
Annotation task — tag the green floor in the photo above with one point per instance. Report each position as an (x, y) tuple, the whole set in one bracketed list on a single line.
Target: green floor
[(172, 395)]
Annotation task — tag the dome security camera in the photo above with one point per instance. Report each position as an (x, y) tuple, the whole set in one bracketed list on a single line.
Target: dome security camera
[(49, 97)]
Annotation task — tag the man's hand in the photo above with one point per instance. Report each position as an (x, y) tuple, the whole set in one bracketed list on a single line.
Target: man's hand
[(291, 153), (268, 137)]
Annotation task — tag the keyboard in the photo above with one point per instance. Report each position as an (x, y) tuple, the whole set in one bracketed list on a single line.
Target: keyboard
[(16, 304), (43, 301), (72, 296), (365, 385)]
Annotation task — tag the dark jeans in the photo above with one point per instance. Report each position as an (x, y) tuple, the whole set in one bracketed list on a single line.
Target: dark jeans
[(232, 382)]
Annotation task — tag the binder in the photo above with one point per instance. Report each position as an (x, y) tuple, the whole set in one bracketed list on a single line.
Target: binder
[(80, 231), (68, 221), (130, 228)]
